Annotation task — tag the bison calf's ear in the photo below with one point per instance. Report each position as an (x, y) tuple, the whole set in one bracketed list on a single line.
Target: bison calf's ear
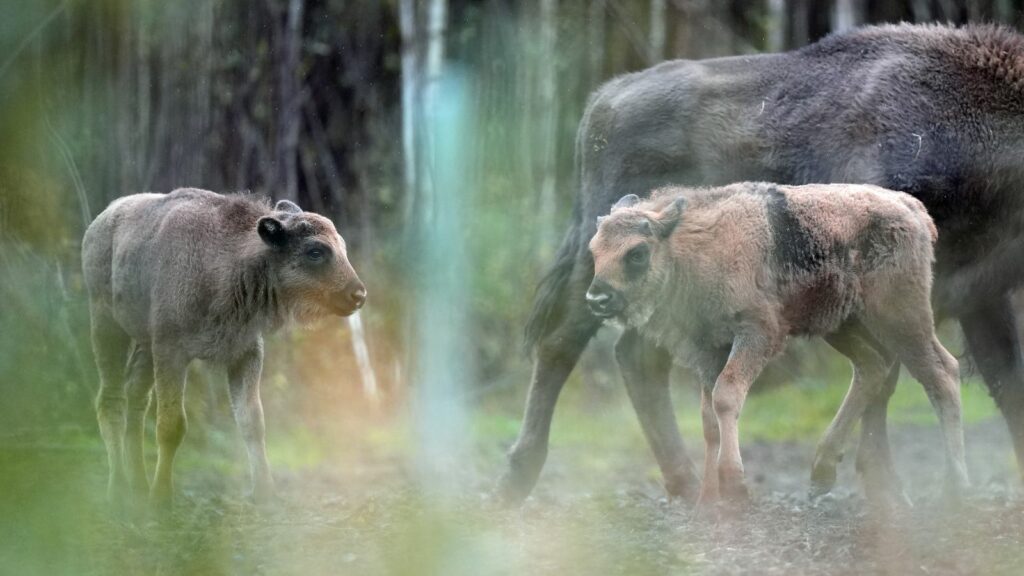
[(272, 231), (627, 201), (666, 220), (287, 206)]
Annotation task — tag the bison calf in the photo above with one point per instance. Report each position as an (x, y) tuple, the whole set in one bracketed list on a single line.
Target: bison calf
[(723, 277), (194, 274)]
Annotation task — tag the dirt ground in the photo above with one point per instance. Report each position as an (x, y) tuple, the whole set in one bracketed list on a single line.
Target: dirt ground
[(371, 518)]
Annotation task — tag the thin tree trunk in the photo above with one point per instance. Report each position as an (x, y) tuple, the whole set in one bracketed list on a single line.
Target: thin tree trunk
[(847, 14), (596, 17), (549, 126), (776, 25), (143, 78), (921, 9), (410, 108), (362, 353), (323, 152), (800, 24), (1002, 11), (288, 105), (656, 51), (437, 16)]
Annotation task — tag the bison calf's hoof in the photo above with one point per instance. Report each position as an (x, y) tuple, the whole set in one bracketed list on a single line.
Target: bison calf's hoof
[(732, 488)]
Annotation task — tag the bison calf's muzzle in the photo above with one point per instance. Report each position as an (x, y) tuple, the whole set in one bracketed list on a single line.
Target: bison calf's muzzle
[(352, 299), (603, 300)]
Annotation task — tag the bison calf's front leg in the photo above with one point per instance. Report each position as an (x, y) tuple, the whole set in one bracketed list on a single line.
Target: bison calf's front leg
[(748, 357), (244, 383)]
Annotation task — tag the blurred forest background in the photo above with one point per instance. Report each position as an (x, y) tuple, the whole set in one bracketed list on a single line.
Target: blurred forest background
[(338, 105), (327, 103)]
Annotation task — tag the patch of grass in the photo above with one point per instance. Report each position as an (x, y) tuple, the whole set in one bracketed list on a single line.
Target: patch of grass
[(797, 412)]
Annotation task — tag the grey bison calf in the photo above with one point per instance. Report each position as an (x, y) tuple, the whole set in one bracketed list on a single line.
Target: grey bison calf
[(195, 274), (722, 277)]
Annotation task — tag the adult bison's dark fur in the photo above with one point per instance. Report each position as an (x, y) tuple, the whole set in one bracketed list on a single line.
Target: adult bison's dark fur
[(932, 110)]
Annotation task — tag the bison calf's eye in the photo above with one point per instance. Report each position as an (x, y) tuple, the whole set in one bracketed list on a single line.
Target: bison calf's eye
[(316, 254), (636, 261), (638, 256)]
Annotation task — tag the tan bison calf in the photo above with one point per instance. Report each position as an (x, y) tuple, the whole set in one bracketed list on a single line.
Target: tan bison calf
[(722, 277), (195, 274)]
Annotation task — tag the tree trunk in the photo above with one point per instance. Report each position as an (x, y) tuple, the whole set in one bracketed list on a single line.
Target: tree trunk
[(362, 353), (288, 119), (776, 25), (656, 51), (548, 129), (437, 16), (596, 16), (410, 105), (847, 14)]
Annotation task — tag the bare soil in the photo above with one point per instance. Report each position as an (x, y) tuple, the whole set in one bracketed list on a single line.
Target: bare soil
[(373, 519)]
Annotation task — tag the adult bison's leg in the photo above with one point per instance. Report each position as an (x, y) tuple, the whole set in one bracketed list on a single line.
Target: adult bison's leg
[(993, 341), (645, 370), (110, 346), (869, 371), (244, 386), (874, 458), (171, 424), (556, 355), (140, 384)]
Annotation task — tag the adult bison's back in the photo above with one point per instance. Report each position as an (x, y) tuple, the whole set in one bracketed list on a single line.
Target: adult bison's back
[(194, 274), (932, 110)]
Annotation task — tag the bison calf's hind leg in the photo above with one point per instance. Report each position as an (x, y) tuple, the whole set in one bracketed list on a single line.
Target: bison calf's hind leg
[(938, 372), (110, 345), (171, 424), (244, 384), (140, 384)]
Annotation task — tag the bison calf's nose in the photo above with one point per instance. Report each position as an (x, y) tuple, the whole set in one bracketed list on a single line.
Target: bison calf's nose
[(358, 297), (602, 301)]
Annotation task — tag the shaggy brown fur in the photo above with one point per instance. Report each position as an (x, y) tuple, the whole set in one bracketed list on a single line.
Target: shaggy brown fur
[(722, 278), (932, 110), (195, 274)]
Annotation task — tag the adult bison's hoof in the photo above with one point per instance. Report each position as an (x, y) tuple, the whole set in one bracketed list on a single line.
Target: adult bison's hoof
[(521, 475), (823, 478), (683, 485), (512, 489)]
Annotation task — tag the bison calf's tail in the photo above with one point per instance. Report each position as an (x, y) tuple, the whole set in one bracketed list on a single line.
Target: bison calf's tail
[(549, 299)]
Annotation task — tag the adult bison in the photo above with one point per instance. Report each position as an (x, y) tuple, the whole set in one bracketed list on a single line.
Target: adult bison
[(932, 110), (195, 274)]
